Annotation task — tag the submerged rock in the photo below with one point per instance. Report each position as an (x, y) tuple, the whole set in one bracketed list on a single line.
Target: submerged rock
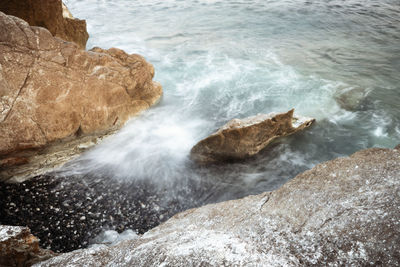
[(50, 14), (341, 212), (18, 247), (242, 138), (55, 96), (351, 98)]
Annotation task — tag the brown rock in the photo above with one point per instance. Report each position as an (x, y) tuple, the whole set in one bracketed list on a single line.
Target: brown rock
[(239, 139), (50, 14), (344, 212), (51, 90), (18, 247)]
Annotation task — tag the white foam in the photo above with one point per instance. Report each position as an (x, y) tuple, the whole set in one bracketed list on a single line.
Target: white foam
[(111, 237), (216, 64)]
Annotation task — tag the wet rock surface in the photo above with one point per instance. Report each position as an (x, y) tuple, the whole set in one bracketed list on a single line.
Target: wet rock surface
[(341, 212), (243, 138), (18, 247), (65, 213)]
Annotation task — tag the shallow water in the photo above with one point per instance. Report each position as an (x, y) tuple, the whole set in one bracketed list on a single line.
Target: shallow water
[(336, 61)]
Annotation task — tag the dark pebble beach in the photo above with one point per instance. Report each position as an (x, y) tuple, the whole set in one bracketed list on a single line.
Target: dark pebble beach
[(67, 212)]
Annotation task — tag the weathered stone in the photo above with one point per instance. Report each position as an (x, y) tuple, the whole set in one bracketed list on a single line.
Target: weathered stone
[(343, 212), (239, 139), (18, 247), (51, 14), (53, 93)]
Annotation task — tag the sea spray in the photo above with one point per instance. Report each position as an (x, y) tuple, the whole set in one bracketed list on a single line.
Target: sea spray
[(218, 60)]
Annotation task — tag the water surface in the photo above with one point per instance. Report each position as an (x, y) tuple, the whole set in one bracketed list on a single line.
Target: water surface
[(336, 61)]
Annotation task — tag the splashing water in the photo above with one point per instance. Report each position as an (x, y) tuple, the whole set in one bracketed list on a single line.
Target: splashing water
[(336, 61)]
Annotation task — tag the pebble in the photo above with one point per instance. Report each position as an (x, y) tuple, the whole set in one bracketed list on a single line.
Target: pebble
[(65, 214)]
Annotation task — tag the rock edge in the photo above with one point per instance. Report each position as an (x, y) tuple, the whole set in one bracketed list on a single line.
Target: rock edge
[(243, 138), (55, 96), (341, 212)]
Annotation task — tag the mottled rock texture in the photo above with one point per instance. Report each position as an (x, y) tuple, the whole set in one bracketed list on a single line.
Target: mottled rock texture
[(53, 93), (343, 212), (242, 138), (50, 14), (18, 247)]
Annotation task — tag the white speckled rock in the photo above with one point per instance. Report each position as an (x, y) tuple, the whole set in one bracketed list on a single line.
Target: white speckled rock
[(18, 247), (341, 212)]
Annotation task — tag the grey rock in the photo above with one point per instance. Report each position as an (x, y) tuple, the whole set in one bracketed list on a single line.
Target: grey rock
[(341, 212)]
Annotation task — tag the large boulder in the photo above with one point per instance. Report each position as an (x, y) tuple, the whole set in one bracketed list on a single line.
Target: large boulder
[(343, 212), (242, 138), (51, 14), (18, 247), (54, 95)]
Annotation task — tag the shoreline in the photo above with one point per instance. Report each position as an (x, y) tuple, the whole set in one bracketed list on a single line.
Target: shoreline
[(65, 214)]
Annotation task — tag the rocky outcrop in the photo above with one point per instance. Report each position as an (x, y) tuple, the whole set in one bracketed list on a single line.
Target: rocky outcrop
[(51, 14), (341, 212), (55, 96), (239, 139), (18, 247)]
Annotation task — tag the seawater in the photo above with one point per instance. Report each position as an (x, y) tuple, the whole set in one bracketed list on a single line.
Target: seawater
[(336, 61)]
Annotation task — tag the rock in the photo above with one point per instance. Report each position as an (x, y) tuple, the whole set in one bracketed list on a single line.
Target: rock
[(240, 139), (351, 98), (50, 14), (18, 247), (342, 212), (55, 96)]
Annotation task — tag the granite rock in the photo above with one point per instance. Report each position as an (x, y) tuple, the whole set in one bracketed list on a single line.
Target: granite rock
[(344, 212)]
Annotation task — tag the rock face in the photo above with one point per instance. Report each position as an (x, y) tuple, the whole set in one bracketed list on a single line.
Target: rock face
[(239, 139), (50, 14), (53, 93), (18, 247), (341, 212)]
